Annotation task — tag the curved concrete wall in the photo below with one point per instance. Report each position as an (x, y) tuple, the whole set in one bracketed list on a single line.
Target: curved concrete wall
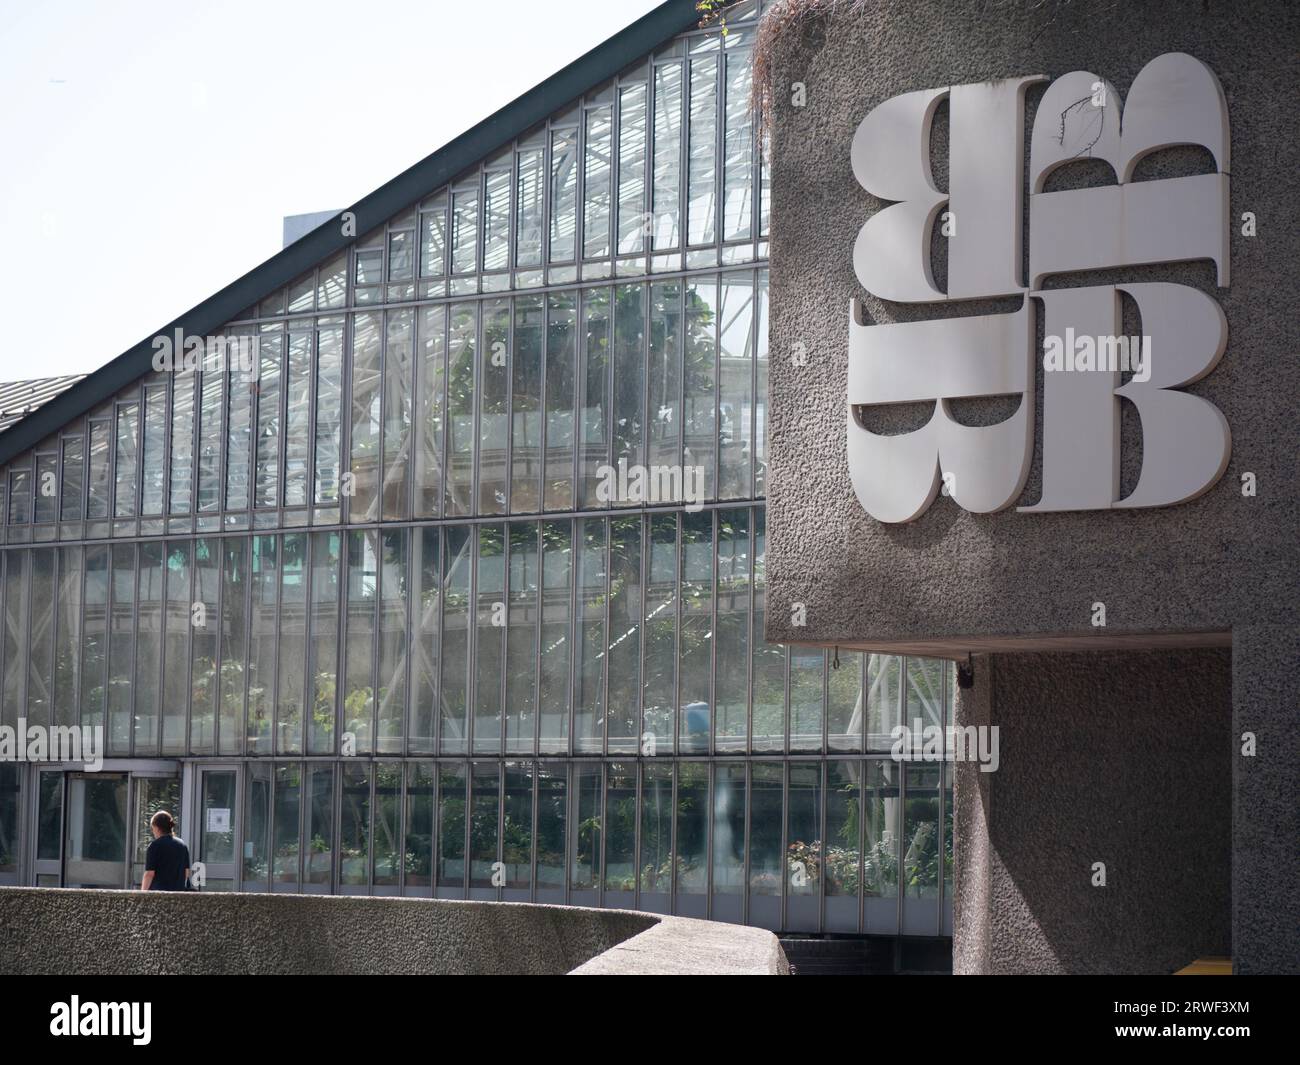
[(52, 931)]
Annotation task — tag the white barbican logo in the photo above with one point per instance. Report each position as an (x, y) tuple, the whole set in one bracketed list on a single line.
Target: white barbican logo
[(1175, 100)]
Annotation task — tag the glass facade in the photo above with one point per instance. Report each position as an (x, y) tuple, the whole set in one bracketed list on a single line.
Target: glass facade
[(364, 576)]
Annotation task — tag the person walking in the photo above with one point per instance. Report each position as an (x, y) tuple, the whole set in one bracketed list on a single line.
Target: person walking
[(167, 861)]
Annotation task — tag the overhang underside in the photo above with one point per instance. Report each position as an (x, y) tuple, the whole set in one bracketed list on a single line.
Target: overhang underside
[(958, 648)]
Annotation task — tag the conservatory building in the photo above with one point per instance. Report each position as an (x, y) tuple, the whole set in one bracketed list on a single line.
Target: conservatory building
[(427, 558)]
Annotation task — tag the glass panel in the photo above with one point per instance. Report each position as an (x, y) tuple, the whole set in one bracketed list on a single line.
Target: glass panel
[(391, 710), (460, 408), (73, 482), (620, 830), (49, 817), (532, 173), (291, 644), (148, 652), (521, 644), (692, 866), (587, 821), (97, 495), (557, 577), (738, 158), (155, 447), (667, 154), (464, 232), (844, 706), (593, 444), (484, 814), (359, 642), (15, 634), (656, 832), (526, 392), (925, 695), (211, 433), (731, 683), (426, 568), (696, 639), (178, 623), (238, 434), (760, 401), (270, 355), (633, 221), (323, 667), (768, 706), (284, 841), (297, 428), (564, 194), (880, 868), (182, 457), (46, 508), (234, 644), (451, 828), (665, 379), (454, 690), (399, 370), (884, 674), (496, 221), (699, 372), (317, 868), (561, 352), (517, 826), (552, 823), (418, 848), (703, 166), (329, 413), (265, 637), (354, 835), (332, 286), (96, 831), (401, 261), (625, 612), (366, 400), (67, 646), (596, 178), (766, 868), (217, 844), (807, 671), (659, 692), (494, 399), (589, 674), (490, 620), (921, 870), (431, 387), (40, 656), (433, 240), (387, 856), (94, 639), (257, 819), (629, 375), (203, 648), (735, 388), (728, 831), (804, 836), (128, 428), (843, 821), (121, 647)]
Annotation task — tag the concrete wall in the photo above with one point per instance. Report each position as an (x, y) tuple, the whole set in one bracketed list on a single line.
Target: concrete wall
[(56, 932), (953, 581), (1106, 757)]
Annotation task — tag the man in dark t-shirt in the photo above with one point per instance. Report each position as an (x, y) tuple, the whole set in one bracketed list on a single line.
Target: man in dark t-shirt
[(167, 861)]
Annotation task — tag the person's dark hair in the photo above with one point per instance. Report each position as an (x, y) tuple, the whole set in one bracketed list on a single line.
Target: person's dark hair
[(162, 821)]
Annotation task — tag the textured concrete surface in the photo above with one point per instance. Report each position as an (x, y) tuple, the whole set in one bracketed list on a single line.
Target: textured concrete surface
[(1223, 563), (1140, 780), (52, 931)]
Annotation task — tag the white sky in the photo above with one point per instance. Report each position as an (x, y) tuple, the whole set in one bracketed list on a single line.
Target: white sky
[(149, 150)]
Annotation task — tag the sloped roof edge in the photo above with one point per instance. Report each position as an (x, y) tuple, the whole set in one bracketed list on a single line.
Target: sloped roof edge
[(515, 118)]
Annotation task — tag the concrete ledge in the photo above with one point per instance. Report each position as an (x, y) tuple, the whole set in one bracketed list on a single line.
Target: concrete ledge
[(55, 931)]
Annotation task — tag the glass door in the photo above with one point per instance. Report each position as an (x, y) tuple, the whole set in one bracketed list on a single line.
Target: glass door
[(217, 828), (95, 830), (151, 795)]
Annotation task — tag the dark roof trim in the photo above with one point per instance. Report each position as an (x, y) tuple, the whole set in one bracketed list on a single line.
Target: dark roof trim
[(604, 61)]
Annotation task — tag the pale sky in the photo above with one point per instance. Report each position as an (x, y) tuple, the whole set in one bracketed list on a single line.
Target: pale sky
[(151, 150)]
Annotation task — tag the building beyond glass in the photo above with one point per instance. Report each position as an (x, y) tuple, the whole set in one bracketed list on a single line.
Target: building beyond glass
[(365, 612)]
